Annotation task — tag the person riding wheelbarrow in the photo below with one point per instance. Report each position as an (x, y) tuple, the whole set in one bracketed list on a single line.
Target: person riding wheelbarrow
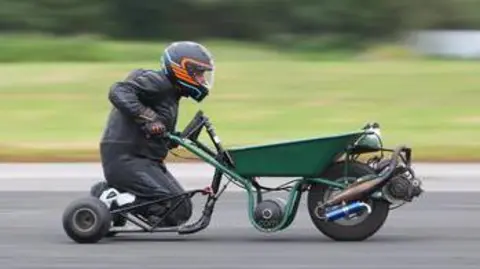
[(145, 106)]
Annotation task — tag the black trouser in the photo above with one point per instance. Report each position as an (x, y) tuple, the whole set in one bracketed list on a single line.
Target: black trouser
[(145, 178)]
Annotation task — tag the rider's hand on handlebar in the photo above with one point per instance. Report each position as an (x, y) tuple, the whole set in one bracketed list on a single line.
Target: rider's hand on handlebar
[(155, 128)]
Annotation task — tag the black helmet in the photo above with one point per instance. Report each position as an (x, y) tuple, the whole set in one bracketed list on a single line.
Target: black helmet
[(190, 66)]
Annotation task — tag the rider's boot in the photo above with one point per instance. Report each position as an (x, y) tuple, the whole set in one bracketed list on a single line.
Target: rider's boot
[(156, 212)]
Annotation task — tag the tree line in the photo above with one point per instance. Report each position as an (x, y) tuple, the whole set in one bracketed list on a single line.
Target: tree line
[(259, 20)]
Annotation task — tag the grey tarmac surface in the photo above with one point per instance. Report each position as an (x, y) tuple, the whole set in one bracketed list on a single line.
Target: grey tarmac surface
[(439, 230)]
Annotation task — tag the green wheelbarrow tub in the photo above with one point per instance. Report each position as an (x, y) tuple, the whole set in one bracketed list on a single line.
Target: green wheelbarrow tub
[(297, 158)]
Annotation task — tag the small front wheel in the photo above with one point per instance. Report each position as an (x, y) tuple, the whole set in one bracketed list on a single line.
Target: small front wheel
[(86, 220)]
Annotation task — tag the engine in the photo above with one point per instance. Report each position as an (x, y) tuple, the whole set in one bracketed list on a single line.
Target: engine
[(402, 187), (269, 213)]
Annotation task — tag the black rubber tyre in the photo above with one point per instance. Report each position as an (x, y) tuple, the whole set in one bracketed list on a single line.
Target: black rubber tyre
[(338, 232), (86, 220)]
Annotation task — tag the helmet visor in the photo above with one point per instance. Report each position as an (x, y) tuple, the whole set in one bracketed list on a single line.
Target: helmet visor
[(205, 77)]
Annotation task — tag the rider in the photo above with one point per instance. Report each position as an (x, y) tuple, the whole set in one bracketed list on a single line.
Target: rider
[(145, 106)]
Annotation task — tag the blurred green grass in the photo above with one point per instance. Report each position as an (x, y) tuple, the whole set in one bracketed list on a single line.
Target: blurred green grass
[(16, 48), (57, 109)]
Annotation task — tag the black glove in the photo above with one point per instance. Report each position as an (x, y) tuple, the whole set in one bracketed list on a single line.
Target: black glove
[(150, 123), (155, 128)]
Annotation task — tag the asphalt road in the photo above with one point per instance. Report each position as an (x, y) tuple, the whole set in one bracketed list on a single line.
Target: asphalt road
[(439, 230)]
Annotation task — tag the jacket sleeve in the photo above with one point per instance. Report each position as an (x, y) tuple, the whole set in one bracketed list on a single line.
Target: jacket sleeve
[(126, 95)]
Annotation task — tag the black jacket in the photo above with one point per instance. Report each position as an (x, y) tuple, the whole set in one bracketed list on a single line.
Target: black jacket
[(143, 92)]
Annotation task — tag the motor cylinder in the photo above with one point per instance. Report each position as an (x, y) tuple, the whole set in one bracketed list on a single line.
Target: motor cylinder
[(402, 188)]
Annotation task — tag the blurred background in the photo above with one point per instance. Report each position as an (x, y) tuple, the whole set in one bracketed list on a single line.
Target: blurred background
[(285, 70)]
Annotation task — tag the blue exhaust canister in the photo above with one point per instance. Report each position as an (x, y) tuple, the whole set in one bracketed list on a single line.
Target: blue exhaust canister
[(347, 210)]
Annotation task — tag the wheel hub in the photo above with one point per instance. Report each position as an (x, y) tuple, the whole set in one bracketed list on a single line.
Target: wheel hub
[(84, 219)]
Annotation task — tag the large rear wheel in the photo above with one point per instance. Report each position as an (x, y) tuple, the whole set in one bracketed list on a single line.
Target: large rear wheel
[(352, 228)]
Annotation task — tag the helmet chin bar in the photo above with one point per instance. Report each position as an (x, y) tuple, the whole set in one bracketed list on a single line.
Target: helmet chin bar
[(187, 90), (183, 92)]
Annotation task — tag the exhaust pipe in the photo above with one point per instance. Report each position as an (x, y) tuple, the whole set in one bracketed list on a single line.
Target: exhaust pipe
[(347, 210), (355, 191), (366, 185)]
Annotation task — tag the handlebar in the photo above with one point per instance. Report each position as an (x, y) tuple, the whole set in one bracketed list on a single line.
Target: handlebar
[(193, 130)]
